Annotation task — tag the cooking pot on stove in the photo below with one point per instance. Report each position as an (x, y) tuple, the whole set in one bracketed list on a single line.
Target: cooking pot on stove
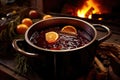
[(80, 59)]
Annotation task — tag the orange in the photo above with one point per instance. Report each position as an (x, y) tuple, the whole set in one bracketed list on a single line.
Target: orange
[(27, 21), (47, 17), (69, 29), (21, 28), (51, 37), (33, 14)]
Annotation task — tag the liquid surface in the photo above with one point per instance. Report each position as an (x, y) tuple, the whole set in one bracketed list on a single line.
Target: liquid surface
[(65, 41)]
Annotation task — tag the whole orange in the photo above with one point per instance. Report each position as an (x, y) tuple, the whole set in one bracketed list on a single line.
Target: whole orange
[(47, 17), (33, 14), (27, 21), (21, 28)]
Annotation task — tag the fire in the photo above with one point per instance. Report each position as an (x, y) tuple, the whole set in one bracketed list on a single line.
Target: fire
[(90, 7)]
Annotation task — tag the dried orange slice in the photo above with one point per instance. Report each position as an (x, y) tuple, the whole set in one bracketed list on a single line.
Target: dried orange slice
[(69, 29), (51, 37)]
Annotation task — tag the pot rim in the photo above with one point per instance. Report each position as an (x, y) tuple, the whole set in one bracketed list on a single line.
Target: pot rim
[(67, 50)]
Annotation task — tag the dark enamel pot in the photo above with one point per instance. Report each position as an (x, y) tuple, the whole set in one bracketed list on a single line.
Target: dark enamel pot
[(79, 59)]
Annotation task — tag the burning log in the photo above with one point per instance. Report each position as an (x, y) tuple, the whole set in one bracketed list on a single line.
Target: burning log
[(89, 12)]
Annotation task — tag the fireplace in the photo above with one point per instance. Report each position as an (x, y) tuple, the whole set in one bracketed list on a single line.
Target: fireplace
[(96, 11), (91, 9)]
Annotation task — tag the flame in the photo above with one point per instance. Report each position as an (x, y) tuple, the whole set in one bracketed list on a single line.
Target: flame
[(89, 8)]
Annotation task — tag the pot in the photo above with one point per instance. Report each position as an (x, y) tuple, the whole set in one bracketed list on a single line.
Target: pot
[(72, 62)]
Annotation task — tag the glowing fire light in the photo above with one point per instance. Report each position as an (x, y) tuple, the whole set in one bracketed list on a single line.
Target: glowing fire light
[(89, 8)]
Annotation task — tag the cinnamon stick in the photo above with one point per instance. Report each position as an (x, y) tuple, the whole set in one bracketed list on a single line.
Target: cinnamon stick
[(100, 65)]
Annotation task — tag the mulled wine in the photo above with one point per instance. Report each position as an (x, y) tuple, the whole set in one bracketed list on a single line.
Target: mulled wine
[(63, 41)]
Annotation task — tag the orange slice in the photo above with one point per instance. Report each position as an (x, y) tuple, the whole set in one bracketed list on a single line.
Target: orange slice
[(69, 29), (51, 36)]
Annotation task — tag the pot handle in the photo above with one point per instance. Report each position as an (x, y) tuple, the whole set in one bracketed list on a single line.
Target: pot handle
[(106, 30), (17, 48)]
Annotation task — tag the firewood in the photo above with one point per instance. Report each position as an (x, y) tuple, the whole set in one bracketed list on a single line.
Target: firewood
[(100, 65)]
